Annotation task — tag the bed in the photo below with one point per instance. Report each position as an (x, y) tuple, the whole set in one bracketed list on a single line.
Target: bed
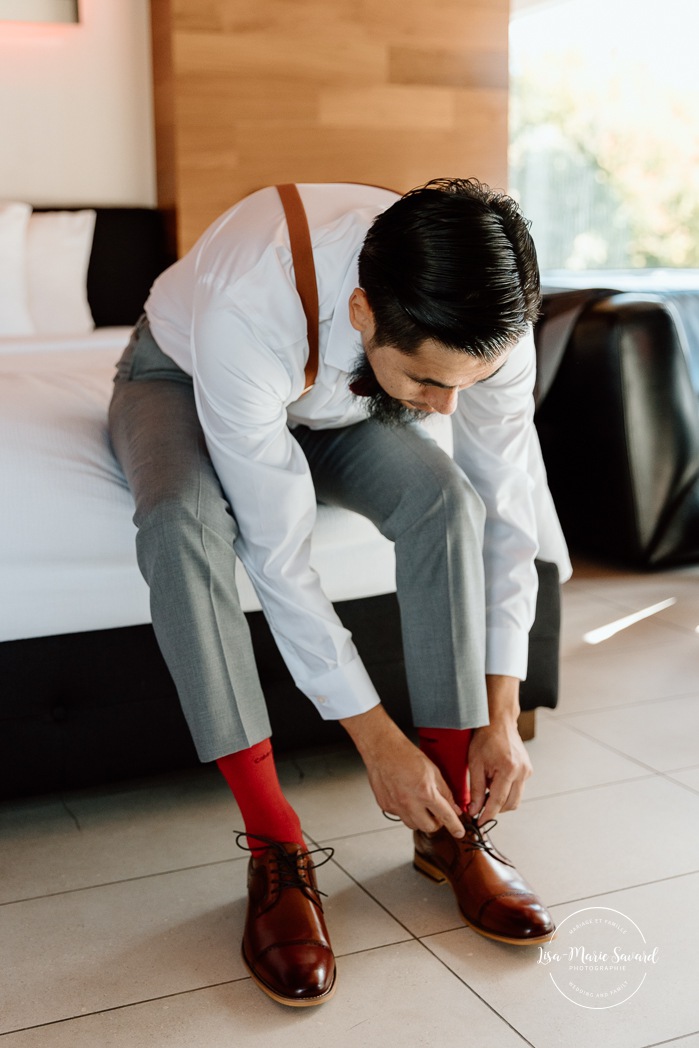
[(86, 697)]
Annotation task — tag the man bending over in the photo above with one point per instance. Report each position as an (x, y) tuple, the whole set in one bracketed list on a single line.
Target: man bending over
[(426, 304)]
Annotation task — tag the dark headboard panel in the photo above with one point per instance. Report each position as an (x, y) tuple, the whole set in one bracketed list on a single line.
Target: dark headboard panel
[(129, 250)]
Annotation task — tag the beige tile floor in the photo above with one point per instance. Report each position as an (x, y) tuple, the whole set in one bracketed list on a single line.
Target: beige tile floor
[(121, 907)]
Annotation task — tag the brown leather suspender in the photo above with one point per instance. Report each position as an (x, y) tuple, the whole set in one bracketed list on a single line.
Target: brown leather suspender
[(304, 272)]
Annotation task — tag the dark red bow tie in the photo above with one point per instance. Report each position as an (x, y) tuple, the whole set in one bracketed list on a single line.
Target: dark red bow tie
[(363, 387)]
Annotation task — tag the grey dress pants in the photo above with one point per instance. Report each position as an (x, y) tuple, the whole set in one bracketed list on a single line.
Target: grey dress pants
[(398, 477)]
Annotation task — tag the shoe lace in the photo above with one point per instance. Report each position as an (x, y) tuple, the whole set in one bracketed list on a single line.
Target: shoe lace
[(478, 841), (290, 867)]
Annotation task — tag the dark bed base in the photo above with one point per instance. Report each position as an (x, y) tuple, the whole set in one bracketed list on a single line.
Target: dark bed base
[(90, 708)]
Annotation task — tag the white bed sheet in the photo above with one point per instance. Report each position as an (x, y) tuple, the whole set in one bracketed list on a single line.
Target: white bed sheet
[(67, 541), (113, 338)]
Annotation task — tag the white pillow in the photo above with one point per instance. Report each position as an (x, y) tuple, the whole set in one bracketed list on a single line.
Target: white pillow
[(15, 318), (58, 252)]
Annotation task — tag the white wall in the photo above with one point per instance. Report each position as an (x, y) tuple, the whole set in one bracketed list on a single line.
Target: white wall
[(76, 114)]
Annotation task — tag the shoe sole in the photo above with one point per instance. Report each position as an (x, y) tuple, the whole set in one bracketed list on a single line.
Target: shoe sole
[(290, 1002), (433, 873)]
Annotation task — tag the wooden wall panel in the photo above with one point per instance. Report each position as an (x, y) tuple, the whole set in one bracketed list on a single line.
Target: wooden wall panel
[(387, 91), (164, 107)]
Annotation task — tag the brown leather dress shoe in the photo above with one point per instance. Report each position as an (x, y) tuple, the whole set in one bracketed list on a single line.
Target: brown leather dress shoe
[(493, 898), (286, 947)]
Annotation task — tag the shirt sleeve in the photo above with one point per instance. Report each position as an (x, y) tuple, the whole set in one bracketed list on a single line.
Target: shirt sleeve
[(493, 434), (242, 388)]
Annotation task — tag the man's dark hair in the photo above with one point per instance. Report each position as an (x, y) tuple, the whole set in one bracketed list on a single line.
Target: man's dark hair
[(451, 261)]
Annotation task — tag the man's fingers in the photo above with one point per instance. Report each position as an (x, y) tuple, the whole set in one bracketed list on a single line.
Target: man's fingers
[(504, 795), (414, 789), (479, 788), (445, 815), (515, 796), (492, 807), (432, 813)]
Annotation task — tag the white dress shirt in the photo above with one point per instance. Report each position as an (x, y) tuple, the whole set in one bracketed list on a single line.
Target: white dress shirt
[(228, 314)]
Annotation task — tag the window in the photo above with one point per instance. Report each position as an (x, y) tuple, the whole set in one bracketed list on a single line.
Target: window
[(604, 131)]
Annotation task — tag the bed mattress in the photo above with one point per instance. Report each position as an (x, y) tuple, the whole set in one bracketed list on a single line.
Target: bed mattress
[(67, 541)]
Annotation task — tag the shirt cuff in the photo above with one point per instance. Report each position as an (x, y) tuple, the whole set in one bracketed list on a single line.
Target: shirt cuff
[(343, 692), (507, 652)]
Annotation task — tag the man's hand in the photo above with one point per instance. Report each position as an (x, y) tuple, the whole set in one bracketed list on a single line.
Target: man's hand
[(405, 782), (498, 761)]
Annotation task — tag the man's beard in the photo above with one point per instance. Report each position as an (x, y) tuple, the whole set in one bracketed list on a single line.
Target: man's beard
[(381, 407)]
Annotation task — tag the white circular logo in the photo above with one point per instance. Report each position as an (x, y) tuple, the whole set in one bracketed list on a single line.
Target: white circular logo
[(599, 958)]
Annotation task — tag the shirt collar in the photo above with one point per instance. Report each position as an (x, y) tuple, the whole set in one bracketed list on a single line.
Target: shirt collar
[(343, 341)]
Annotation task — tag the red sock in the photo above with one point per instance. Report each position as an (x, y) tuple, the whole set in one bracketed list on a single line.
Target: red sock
[(448, 749), (252, 776)]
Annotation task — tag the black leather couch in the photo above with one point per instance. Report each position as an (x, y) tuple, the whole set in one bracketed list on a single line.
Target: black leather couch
[(86, 708), (618, 421)]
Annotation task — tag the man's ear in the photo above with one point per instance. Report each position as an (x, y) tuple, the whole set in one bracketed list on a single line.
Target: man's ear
[(360, 313)]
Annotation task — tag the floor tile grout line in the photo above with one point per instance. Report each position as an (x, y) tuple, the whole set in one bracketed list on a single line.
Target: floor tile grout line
[(626, 888), (196, 989), (318, 841), (127, 1004), (121, 880), (651, 773), (374, 949), (564, 902), (366, 891), (672, 1040), (358, 833), (591, 656), (413, 936), (419, 939), (676, 782), (591, 786), (475, 993), (559, 715), (619, 753)]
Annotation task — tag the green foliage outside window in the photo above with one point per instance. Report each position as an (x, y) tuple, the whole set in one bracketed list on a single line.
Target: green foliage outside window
[(604, 133)]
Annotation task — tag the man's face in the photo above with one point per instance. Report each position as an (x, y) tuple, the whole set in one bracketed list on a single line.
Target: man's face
[(430, 379), (403, 387)]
